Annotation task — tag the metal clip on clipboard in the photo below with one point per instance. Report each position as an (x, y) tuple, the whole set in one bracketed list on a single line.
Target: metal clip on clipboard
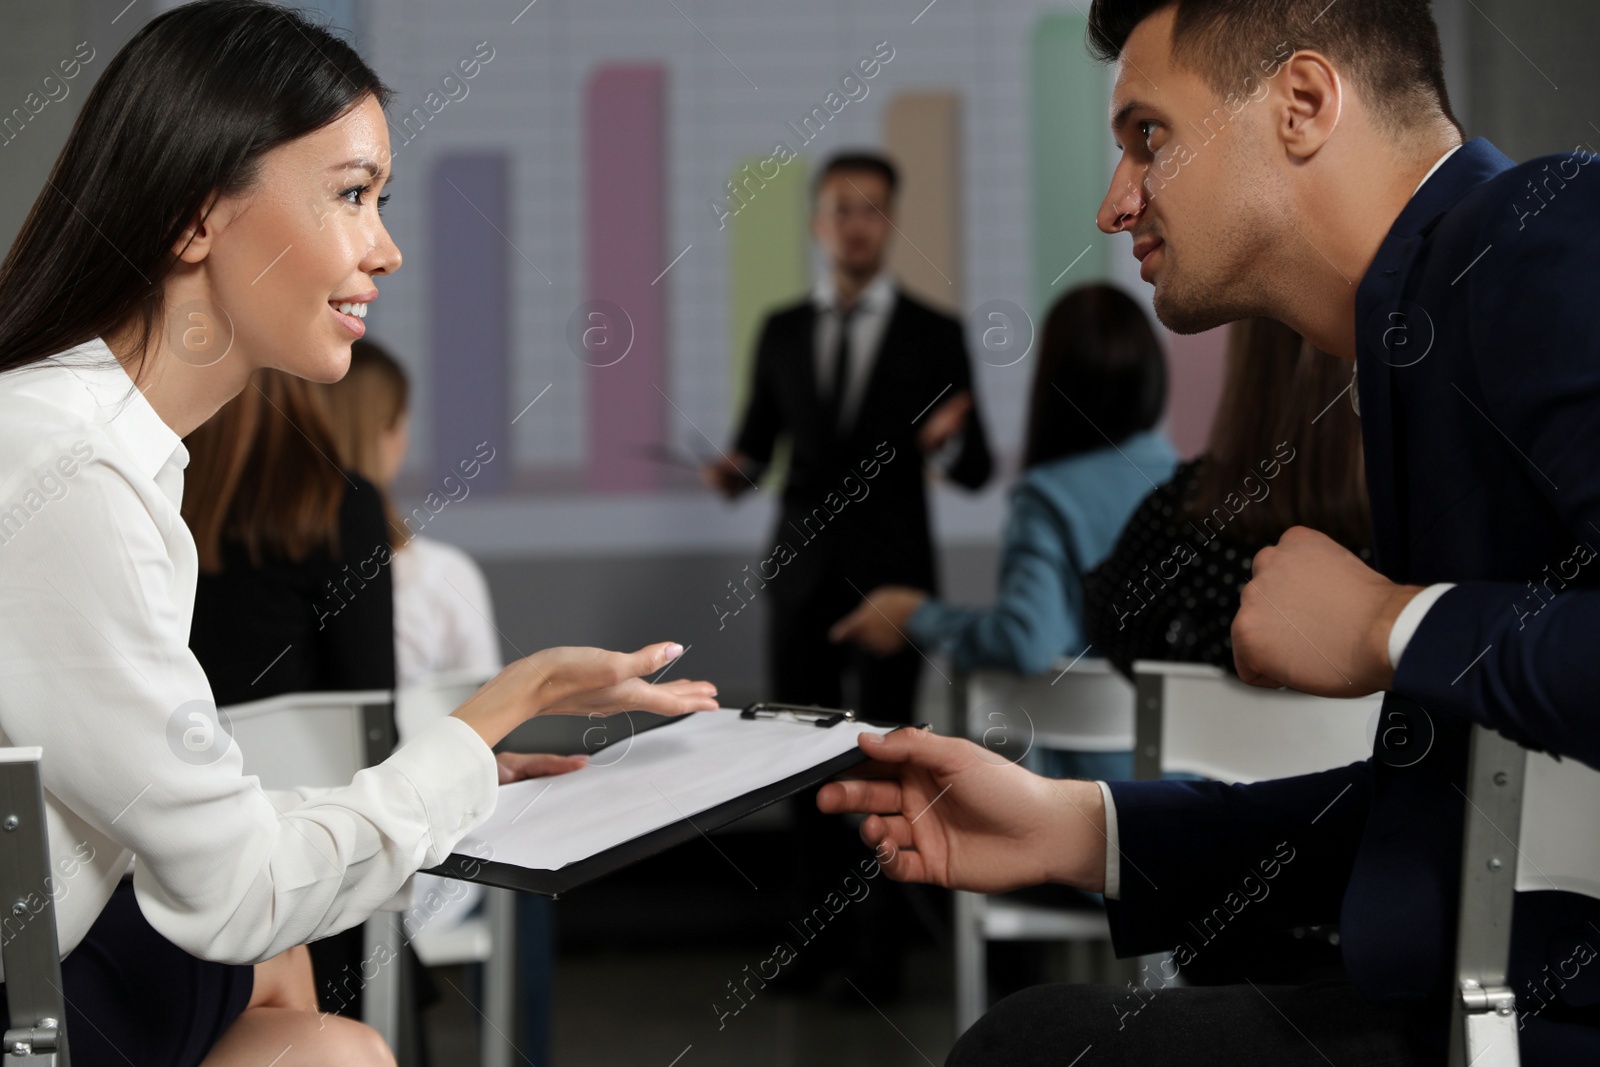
[(812, 713)]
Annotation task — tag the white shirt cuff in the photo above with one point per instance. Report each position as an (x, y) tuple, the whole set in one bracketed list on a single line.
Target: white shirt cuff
[(404, 899), (456, 776), (1405, 626), (1113, 887)]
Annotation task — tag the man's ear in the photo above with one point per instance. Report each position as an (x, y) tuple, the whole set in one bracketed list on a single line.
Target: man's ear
[(194, 244), (1309, 101)]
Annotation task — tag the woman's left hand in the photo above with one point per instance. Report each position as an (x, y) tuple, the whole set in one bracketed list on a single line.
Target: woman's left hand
[(515, 766)]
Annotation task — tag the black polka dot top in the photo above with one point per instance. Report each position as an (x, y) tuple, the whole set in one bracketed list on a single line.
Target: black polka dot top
[(1167, 592)]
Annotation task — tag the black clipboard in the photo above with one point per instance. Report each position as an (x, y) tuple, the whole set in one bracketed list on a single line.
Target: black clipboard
[(554, 884)]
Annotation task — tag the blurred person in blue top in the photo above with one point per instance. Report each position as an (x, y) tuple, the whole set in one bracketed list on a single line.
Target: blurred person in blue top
[(1091, 454)]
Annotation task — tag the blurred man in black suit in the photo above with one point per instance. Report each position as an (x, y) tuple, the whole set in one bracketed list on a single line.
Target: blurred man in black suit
[(868, 385)]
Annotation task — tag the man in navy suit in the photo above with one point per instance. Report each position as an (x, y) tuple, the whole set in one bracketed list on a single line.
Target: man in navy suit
[(1298, 160)]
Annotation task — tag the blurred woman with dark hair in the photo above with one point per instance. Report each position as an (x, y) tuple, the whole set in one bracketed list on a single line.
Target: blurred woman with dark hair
[(214, 212), (1282, 453), (1091, 454)]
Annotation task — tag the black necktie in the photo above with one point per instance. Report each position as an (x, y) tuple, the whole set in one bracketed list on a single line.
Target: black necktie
[(841, 370)]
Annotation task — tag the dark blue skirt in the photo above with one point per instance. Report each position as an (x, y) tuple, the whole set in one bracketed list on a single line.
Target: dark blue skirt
[(135, 997)]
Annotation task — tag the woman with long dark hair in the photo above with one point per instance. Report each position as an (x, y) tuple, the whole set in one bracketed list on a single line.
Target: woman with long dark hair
[(1091, 452), (214, 212), (1282, 453)]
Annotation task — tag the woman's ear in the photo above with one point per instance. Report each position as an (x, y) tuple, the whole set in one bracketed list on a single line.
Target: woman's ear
[(1310, 100), (194, 244)]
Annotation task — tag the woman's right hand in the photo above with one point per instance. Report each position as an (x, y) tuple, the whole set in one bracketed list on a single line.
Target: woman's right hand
[(583, 681)]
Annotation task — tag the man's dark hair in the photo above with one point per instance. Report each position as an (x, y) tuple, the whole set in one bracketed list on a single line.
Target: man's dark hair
[(1390, 48), (857, 161)]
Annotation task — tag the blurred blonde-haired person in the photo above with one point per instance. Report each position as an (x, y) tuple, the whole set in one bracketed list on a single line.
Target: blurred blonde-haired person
[(443, 614), (443, 621)]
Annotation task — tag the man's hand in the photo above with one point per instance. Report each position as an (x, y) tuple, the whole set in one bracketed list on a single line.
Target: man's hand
[(878, 623), (729, 475), (945, 422), (1315, 618), (944, 811)]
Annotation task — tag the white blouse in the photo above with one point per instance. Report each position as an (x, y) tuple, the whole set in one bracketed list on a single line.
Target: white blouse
[(443, 615), (97, 583)]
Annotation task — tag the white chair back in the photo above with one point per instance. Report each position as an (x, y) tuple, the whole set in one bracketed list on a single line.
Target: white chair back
[(1199, 719), (322, 740), (419, 705), (1560, 848), (1082, 706), (311, 739)]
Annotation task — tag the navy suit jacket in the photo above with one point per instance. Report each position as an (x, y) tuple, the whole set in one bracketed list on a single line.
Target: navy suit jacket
[(1478, 356)]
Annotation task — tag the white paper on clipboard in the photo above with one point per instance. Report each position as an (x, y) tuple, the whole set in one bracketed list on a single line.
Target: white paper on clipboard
[(649, 781)]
